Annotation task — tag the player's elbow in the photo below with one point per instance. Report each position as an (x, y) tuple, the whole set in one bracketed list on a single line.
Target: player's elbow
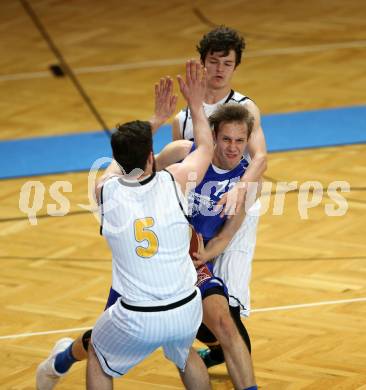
[(207, 150), (261, 161)]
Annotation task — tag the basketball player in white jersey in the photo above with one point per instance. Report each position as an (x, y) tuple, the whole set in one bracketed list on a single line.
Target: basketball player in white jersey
[(232, 125), (144, 221), (220, 52), (67, 351)]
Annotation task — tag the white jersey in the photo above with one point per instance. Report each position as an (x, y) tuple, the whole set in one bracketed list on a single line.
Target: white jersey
[(146, 228), (185, 119)]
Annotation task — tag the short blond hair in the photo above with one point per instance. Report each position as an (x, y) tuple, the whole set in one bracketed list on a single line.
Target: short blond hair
[(232, 112)]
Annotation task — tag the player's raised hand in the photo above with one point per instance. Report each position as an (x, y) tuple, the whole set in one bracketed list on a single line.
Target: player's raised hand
[(193, 89), (165, 102), (194, 86)]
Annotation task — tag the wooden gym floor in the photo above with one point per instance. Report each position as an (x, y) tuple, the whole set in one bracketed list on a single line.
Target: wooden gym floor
[(309, 275)]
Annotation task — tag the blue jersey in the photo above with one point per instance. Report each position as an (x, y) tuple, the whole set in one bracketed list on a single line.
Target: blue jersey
[(203, 199)]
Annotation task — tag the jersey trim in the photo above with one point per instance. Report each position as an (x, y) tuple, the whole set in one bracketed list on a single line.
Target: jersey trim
[(136, 183), (101, 211), (177, 196), (231, 94), (242, 99), (106, 362), (185, 122), (238, 301)]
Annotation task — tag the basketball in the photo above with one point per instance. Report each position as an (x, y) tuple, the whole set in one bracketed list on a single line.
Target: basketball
[(193, 246)]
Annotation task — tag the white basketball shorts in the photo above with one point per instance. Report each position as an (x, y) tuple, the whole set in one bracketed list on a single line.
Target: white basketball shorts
[(234, 265), (122, 337)]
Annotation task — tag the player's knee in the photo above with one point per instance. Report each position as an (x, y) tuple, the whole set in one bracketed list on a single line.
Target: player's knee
[(224, 328), (227, 325)]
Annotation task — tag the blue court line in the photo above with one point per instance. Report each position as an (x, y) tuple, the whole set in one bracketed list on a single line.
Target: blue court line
[(54, 154), (77, 152), (315, 129)]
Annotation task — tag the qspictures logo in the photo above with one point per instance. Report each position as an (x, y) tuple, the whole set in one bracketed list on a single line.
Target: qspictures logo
[(310, 194)]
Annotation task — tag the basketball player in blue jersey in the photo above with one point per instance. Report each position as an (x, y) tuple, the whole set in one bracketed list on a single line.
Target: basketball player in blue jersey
[(232, 124), (221, 51)]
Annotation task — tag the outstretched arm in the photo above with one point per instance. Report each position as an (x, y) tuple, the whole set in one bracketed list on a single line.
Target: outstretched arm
[(172, 153), (193, 89), (218, 243), (165, 103), (176, 130)]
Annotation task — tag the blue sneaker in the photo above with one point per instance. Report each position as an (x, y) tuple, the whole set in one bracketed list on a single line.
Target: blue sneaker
[(205, 355)]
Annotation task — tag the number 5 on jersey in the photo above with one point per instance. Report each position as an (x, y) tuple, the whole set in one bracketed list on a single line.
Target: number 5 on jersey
[(144, 233)]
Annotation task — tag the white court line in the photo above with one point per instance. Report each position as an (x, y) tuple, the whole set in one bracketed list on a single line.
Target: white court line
[(265, 309), (16, 336), (180, 61), (25, 76), (314, 304)]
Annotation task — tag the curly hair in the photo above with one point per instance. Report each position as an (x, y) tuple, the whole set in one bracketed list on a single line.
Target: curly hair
[(221, 39)]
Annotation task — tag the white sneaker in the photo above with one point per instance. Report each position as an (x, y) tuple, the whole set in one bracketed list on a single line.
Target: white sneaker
[(46, 376)]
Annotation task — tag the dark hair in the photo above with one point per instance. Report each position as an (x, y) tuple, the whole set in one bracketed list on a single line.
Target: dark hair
[(221, 39), (131, 145), (228, 113)]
